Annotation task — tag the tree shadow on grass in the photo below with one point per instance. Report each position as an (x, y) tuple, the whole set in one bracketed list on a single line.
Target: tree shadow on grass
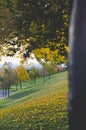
[(18, 96), (24, 93)]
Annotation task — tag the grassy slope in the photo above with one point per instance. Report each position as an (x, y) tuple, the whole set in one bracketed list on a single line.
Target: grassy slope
[(38, 107), (31, 91)]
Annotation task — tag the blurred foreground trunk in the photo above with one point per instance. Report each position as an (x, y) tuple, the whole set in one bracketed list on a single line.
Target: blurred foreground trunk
[(77, 67)]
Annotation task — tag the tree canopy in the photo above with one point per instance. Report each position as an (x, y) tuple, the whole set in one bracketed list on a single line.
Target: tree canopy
[(35, 23)]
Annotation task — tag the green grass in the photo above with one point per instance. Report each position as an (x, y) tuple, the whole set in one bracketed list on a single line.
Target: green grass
[(42, 106), (31, 90)]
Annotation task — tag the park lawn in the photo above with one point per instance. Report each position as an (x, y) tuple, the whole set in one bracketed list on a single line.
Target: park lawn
[(31, 90), (40, 107)]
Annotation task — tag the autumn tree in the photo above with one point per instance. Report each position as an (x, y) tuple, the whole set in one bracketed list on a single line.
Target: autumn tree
[(7, 78), (43, 73), (49, 68), (34, 74), (37, 23), (55, 57), (43, 53), (22, 74), (2, 85), (15, 78)]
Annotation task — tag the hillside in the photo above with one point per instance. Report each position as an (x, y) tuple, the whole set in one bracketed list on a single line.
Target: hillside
[(39, 107)]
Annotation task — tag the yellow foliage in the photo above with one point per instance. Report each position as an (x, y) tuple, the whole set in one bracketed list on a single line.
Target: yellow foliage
[(22, 73), (52, 56)]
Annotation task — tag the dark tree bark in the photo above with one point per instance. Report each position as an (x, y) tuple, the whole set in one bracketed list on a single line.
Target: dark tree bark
[(20, 84), (3, 92), (16, 86), (77, 67), (34, 80), (44, 79), (8, 92)]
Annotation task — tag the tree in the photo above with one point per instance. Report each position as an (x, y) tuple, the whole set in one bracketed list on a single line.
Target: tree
[(34, 74), (43, 53), (55, 57), (15, 78), (37, 23), (22, 74), (2, 85), (6, 78), (43, 73), (49, 68)]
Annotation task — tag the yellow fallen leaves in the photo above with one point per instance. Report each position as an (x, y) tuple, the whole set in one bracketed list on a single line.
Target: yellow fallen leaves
[(46, 113)]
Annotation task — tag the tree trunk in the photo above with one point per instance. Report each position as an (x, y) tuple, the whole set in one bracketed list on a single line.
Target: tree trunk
[(77, 67), (49, 76), (3, 92), (34, 80), (20, 84), (44, 79), (8, 92), (16, 87)]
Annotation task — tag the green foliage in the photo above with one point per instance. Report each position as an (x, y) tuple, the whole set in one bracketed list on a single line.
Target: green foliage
[(6, 20), (7, 78), (39, 23), (34, 73), (49, 68)]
